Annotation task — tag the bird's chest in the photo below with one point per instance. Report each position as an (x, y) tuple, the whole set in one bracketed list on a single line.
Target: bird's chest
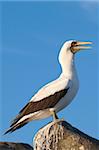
[(69, 96), (74, 88)]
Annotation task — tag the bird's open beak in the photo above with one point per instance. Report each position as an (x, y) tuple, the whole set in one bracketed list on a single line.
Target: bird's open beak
[(81, 46)]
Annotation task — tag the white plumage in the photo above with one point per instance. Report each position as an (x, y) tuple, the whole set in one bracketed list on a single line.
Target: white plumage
[(56, 95)]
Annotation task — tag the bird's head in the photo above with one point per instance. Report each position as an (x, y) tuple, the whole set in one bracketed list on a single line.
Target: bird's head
[(75, 46), (68, 50)]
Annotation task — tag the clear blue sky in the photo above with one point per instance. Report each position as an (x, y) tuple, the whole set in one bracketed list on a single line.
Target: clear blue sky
[(32, 34)]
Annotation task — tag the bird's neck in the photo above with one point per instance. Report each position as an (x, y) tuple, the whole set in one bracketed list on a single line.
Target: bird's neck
[(66, 60)]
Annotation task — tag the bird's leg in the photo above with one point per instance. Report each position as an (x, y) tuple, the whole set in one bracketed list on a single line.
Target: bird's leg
[(55, 117)]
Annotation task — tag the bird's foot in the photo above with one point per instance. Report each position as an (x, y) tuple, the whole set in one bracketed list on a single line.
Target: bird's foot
[(55, 117)]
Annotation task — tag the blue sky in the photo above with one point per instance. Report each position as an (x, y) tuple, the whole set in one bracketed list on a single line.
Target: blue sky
[(32, 34)]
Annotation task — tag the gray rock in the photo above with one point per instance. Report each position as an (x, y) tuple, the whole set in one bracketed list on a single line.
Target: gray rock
[(14, 146), (60, 135)]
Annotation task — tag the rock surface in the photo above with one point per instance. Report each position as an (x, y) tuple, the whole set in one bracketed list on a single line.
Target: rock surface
[(60, 135), (14, 146)]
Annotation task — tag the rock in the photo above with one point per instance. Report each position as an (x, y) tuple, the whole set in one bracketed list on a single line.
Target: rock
[(14, 146), (60, 135)]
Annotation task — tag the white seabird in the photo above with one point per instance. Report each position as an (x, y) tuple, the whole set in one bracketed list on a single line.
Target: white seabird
[(57, 94)]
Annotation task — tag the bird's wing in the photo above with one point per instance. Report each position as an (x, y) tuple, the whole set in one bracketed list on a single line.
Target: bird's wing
[(52, 88), (45, 98)]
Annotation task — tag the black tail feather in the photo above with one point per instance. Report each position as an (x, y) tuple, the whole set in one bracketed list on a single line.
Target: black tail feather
[(15, 121), (16, 126)]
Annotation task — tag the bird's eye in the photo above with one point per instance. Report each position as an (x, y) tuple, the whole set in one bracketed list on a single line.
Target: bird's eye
[(73, 43)]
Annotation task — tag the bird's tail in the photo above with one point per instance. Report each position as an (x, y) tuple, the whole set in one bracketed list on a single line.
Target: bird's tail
[(18, 125)]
